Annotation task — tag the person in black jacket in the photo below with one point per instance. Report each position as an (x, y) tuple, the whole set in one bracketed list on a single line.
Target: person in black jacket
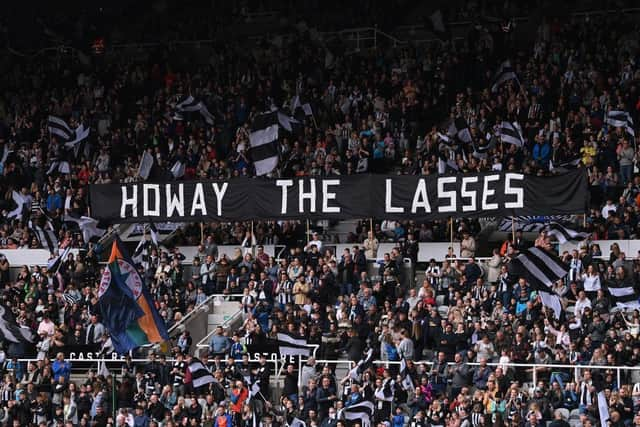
[(290, 388), (325, 397), (354, 347)]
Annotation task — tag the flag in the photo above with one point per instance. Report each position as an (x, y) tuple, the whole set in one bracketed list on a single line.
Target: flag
[(141, 254), (255, 388), (264, 143), (540, 268), (603, 409), (103, 370), (178, 169), (46, 236), (482, 146), (362, 411), (153, 231), (552, 301), (297, 105), (529, 223), (128, 311), (190, 104), (297, 422), (70, 137), (362, 365), (621, 119), (200, 375), (290, 345), (90, 228), (504, 74), (511, 133), (436, 22), (287, 122), (54, 263), (563, 166), (20, 201), (460, 129), (623, 295), (564, 234), (146, 163), (11, 331), (407, 381)]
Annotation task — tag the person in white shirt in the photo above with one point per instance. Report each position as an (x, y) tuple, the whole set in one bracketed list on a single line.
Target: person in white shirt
[(609, 207), (582, 303), (591, 280), (315, 241)]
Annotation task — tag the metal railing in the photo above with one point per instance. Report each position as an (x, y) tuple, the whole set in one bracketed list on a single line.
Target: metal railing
[(199, 307), (534, 367), (204, 342)]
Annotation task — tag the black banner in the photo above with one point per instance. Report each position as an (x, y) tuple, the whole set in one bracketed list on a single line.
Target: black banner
[(339, 197)]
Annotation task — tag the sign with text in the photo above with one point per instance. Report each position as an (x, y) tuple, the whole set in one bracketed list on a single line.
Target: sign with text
[(339, 197)]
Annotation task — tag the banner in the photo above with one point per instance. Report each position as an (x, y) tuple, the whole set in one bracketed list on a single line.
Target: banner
[(420, 198)]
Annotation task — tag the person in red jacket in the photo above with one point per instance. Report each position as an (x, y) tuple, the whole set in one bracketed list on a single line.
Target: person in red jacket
[(239, 395)]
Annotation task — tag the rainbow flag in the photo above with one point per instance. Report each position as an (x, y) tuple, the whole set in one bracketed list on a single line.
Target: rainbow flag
[(127, 309)]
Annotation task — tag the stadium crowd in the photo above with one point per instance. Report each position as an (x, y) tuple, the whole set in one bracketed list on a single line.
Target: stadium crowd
[(377, 111)]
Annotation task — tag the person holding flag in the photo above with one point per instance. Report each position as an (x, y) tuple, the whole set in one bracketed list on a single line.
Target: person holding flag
[(127, 307)]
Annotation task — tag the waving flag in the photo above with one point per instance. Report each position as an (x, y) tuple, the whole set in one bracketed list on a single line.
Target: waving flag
[(126, 305)]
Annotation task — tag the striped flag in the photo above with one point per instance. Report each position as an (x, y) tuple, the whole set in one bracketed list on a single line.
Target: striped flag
[(200, 375), (623, 295), (460, 129), (290, 345), (362, 411), (621, 119), (190, 104), (407, 381), (178, 169), (482, 146), (146, 163), (11, 331), (530, 223), (563, 166), (54, 263), (541, 268), (504, 74), (564, 234), (362, 365), (297, 422), (90, 228), (511, 133), (264, 142), (603, 409), (70, 137), (20, 201), (46, 236)]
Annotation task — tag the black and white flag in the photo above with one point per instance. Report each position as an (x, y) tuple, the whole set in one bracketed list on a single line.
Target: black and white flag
[(621, 119), (178, 169), (190, 104), (407, 381), (540, 268), (142, 253), (623, 295), (460, 129), (362, 365), (11, 331), (264, 142), (529, 224), (504, 74), (362, 411), (297, 105), (564, 234), (200, 375), (297, 422), (146, 163), (90, 228), (55, 262), (563, 167), (511, 133), (603, 409), (20, 201), (290, 345), (46, 236), (70, 137)]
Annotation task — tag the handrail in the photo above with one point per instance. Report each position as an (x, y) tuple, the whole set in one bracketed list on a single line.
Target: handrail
[(198, 307), (203, 343)]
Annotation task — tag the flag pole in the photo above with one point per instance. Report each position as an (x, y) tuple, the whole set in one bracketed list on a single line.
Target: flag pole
[(513, 229), (308, 232), (451, 222), (371, 225), (253, 247), (113, 396), (202, 233)]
